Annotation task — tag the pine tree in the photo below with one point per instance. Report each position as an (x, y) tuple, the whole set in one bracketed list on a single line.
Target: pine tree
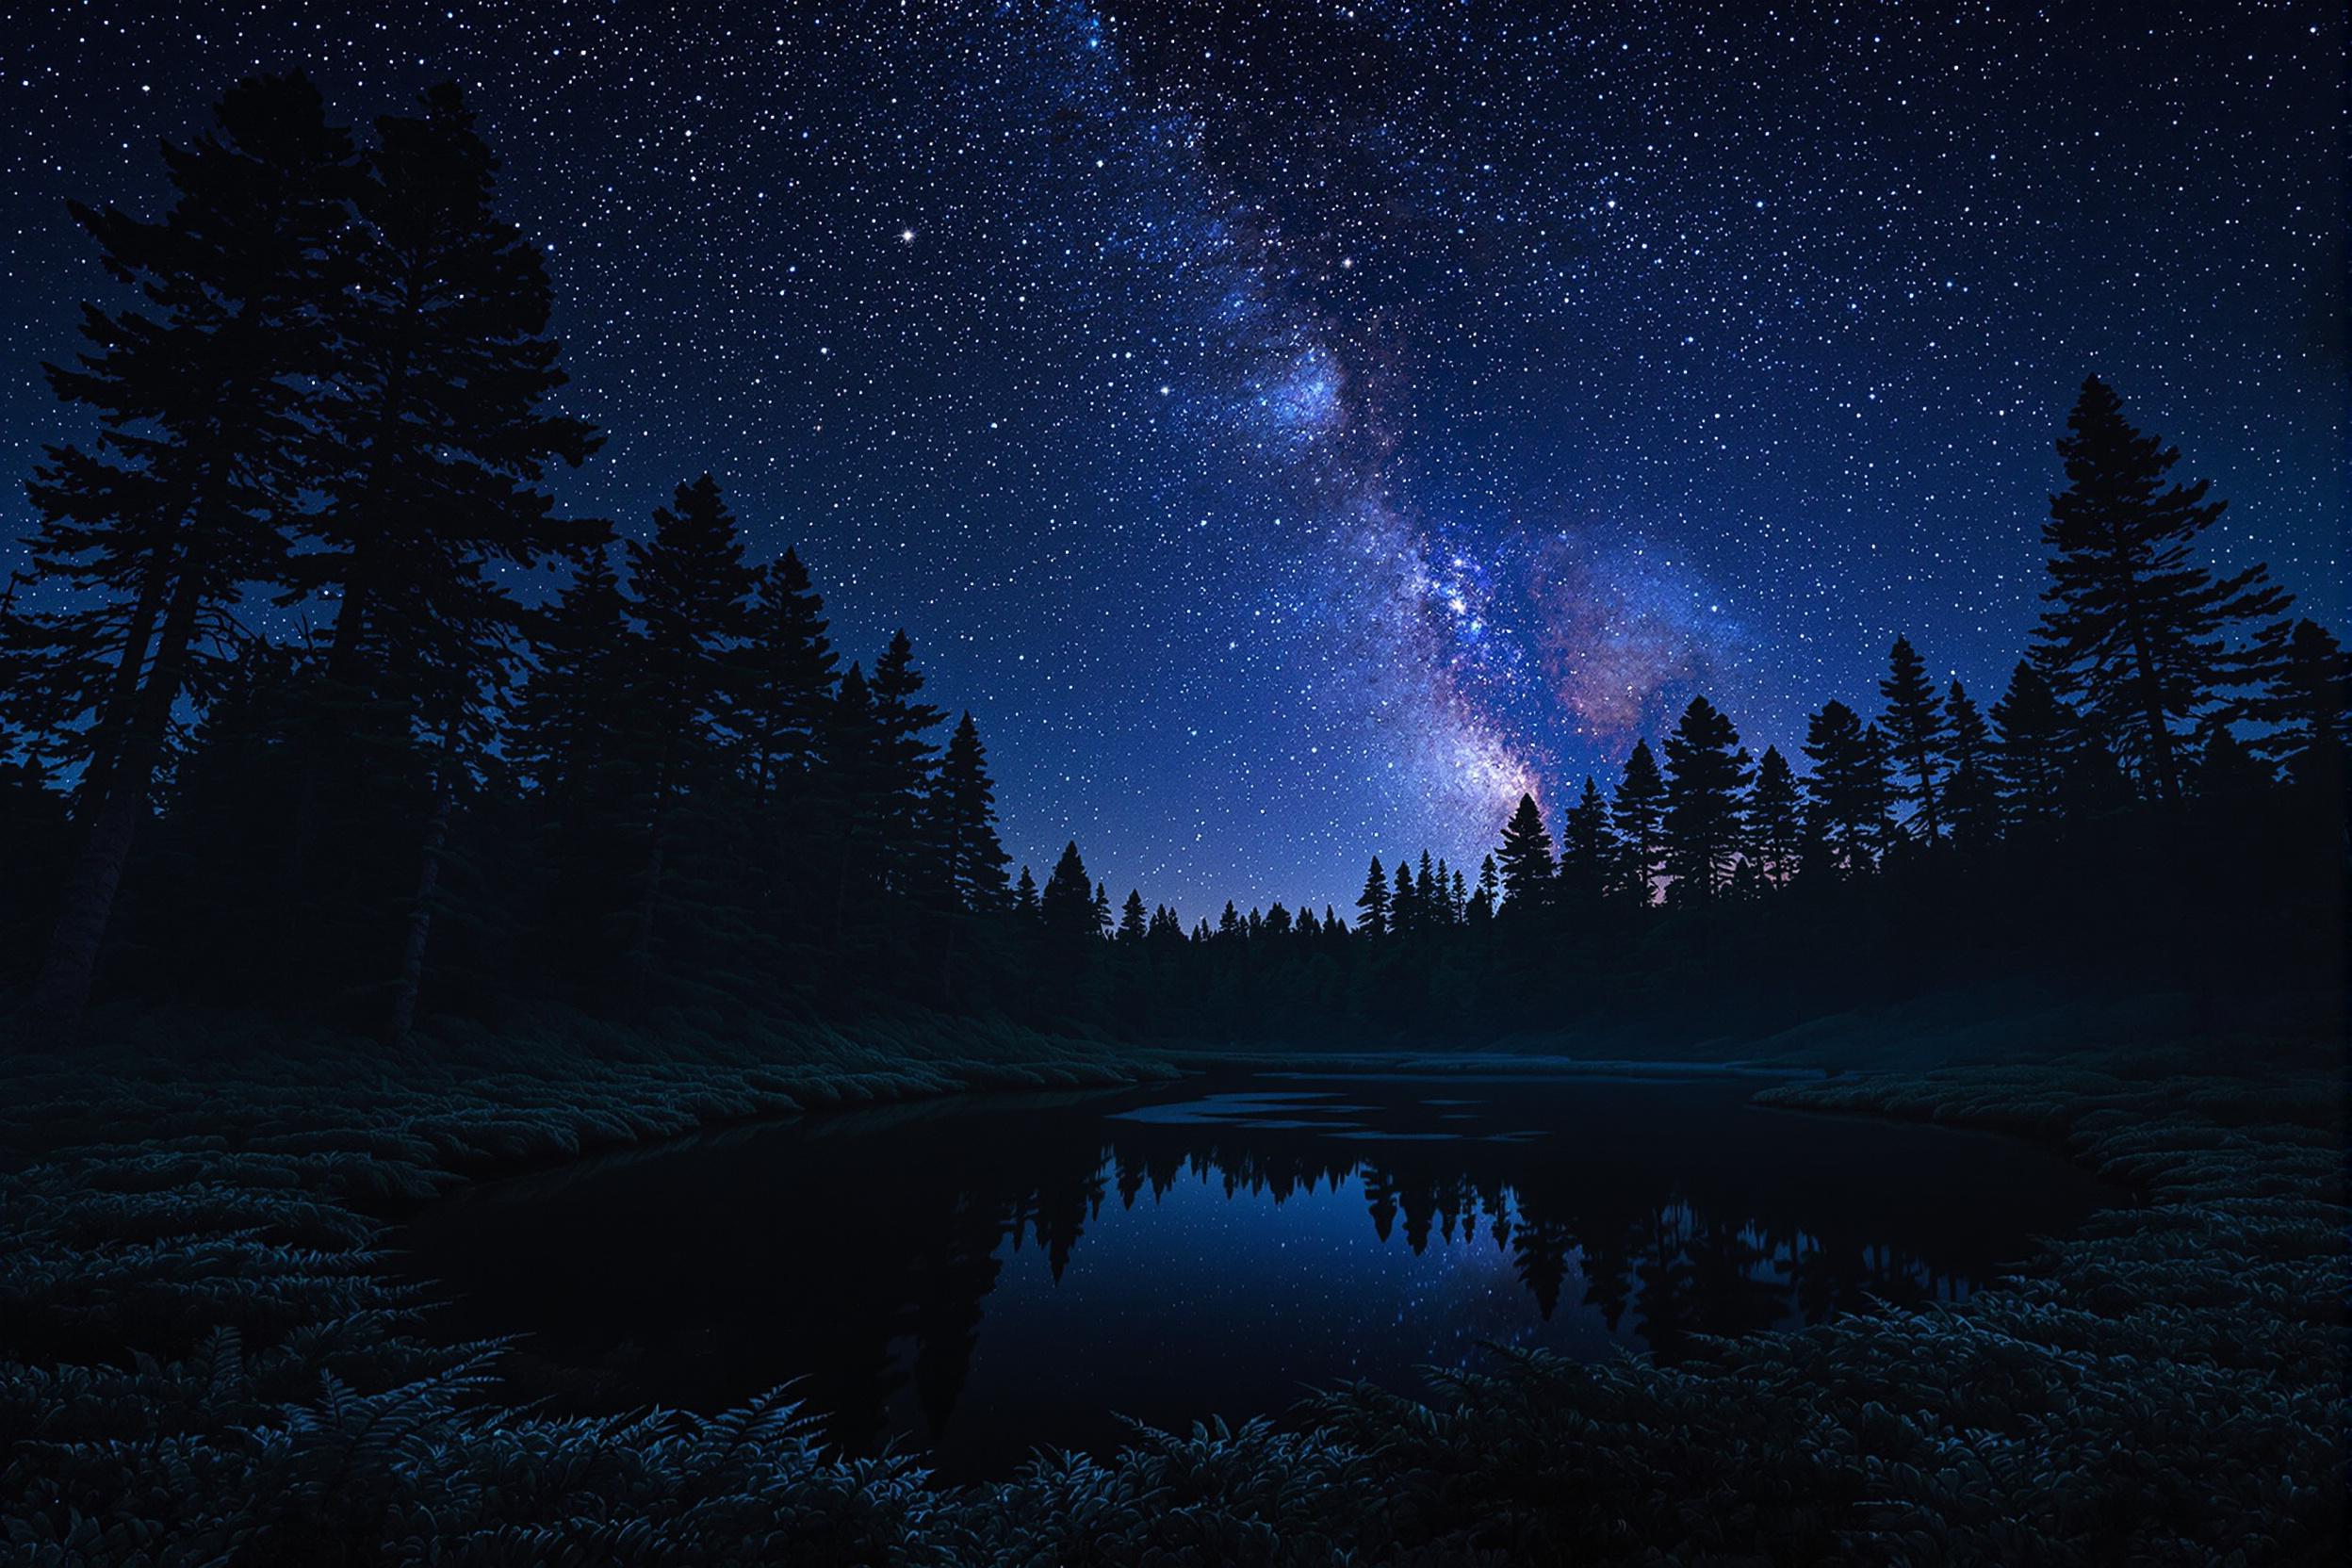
[(1588, 850), (1915, 734), (785, 679), (1404, 906), (431, 452), (429, 460), (1428, 896), (1490, 894), (1067, 906), (1972, 804), (2029, 750), (1638, 817), (2134, 620), (1525, 858), (1842, 793), (964, 815), (690, 583), (1132, 922), (185, 497), (1775, 821), (904, 762), (1026, 904), (1372, 904), (2304, 701), (1706, 772)]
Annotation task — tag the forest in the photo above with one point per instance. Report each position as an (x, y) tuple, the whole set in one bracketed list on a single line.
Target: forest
[(658, 779), (559, 832)]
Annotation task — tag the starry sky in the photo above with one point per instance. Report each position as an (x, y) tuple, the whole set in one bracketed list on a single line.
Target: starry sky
[(1296, 429)]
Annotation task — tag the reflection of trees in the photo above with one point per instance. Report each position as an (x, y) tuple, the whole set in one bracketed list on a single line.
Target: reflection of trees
[(880, 1288)]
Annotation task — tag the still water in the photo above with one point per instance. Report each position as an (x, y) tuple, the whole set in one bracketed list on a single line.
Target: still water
[(975, 1278)]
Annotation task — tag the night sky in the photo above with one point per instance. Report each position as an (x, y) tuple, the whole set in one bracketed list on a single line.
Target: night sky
[(1293, 429)]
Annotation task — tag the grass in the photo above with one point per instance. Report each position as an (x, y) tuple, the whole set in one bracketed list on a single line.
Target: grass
[(202, 1359)]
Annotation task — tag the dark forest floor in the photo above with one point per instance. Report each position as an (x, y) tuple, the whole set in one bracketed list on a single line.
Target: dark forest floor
[(203, 1358)]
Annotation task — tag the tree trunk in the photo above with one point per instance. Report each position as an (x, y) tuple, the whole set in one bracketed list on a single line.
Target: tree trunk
[(122, 699), (69, 968), (420, 917)]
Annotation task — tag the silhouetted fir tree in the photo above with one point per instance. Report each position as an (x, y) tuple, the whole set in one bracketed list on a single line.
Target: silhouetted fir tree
[(965, 811), (1842, 794), (690, 584), (1132, 924), (1706, 771), (1102, 911), (1372, 902), (788, 670), (1404, 904), (1026, 907), (2133, 619), (1489, 897), (1638, 817), (2303, 701), (193, 479), (1588, 850), (970, 859), (1461, 898), (1525, 856), (1775, 821), (1428, 895), (1972, 801), (1066, 918), (1915, 734), (904, 761), (2030, 748), (429, 458)]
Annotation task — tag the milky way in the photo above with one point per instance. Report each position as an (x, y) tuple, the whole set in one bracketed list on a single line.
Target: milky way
[(1296, 429)]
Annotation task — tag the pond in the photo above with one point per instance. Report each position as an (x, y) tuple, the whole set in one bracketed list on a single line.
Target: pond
[(977, 1277)]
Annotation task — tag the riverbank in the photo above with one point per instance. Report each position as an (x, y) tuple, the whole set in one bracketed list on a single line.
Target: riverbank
[(208, 1356)]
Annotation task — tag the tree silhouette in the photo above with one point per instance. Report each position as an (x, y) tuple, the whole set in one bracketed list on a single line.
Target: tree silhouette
[(2030, 747), (786, 682), (1915, 734), (1706, 772), (1588, 850), (186, 495), (903, 764), (1638, 816), (1971, 803), (1372, 904), (1776, 820), (2133, 619), (1525, 856), (690, 585), (1842, 791), (2304, 701)]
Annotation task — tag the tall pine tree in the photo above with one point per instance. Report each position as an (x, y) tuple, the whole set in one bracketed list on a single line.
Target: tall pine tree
[(1525, 858), (1706, 770), (196, 471), (2135, 622), (1915, 734)]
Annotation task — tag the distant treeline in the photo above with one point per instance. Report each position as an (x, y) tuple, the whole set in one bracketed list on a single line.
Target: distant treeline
[(329, 379)]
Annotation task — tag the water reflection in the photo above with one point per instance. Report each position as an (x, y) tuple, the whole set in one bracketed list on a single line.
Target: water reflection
[(978, 1278)]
